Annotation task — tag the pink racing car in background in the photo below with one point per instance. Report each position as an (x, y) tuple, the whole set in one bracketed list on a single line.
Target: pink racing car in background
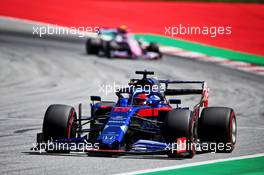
[(118, 43)]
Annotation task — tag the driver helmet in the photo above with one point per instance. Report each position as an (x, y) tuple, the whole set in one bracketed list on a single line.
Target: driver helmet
[(154, 100), (122, 29), (140, 99), (123, 102)]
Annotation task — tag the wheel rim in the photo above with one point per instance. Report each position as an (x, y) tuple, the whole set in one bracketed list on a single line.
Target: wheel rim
[(71, 124), (193, 138), (234, 130)]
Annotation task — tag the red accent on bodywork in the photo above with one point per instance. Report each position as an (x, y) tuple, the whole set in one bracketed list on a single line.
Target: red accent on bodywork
[(181, 145), (164, 109), (70, 124), (107, 151), (105, 107), (205, 97), (148, 112), (152, 112), (121, 109)]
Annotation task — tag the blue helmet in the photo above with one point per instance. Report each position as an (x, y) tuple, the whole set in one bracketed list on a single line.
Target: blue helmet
[(123, 102), (153, 100)]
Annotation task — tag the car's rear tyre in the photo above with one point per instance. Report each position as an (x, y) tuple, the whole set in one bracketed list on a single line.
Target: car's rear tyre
[(180, 123), (92, 46), (59, 122), (102, 48), (108, 49), (218, 125)]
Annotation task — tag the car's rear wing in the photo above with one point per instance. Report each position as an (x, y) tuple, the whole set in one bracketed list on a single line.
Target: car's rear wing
[(184, 91), (203, 91), (172, 92)]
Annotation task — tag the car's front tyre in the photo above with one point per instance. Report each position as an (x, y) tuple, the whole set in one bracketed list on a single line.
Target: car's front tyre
[(218, 125), (59, 123), (180, 123)]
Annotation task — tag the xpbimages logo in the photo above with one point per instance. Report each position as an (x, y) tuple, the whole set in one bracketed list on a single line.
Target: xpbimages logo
[(51, 146), (58, 30), (187, 145), (212, 31), (115, 87)]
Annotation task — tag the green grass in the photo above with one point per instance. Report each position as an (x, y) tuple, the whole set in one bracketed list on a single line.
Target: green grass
[(205, 49), (249, 166)]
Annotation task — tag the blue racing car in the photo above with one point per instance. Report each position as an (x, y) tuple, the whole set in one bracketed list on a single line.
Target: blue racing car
[(142, 121)]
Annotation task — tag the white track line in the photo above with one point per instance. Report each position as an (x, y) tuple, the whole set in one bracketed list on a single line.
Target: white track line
[(249, 127), (193, 164)]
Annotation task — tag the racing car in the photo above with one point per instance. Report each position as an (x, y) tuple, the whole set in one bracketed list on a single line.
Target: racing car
[(147, 118), (118, 43)]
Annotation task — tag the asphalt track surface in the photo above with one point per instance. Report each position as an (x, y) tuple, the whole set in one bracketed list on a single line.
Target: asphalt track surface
[(37, 72)]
